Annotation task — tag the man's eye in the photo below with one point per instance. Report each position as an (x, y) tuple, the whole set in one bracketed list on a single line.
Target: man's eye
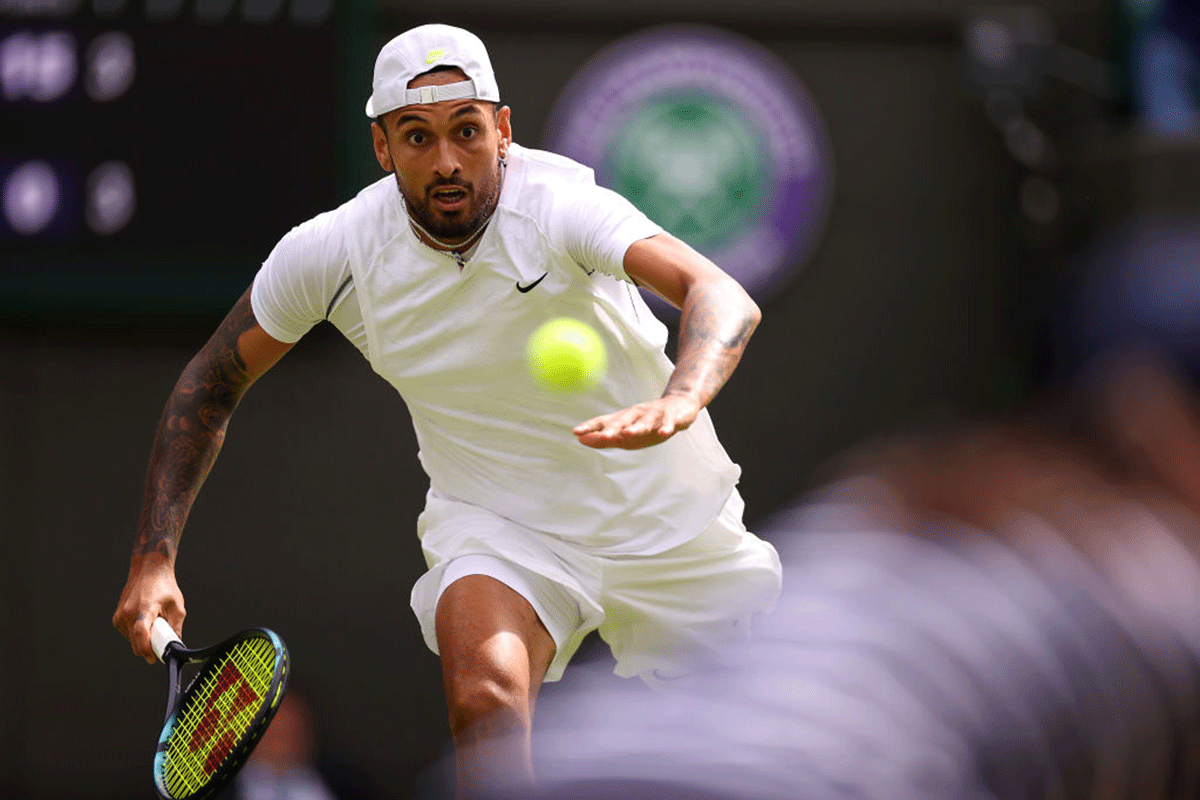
[(416, 138), (469, 132)]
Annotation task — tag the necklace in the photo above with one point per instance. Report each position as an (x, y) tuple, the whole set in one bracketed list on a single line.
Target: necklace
[(447, 245)]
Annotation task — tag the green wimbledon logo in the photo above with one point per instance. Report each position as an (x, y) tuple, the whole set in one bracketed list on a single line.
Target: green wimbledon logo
[(694, 166), (713, 138)]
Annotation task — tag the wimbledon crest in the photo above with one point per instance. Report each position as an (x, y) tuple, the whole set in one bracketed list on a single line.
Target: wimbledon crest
[(710, 136)]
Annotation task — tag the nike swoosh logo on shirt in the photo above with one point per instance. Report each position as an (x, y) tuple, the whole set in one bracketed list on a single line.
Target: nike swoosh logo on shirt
[(527, 287)]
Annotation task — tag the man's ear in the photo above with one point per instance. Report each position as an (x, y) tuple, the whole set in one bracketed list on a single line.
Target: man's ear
[(382, 153), (504, 127)]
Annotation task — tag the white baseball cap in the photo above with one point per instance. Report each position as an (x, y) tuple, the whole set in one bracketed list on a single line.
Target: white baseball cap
[(421, 49)]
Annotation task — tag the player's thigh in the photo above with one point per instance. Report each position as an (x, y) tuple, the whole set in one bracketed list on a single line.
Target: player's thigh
[(495, 649), (561, 586), (487, 631)]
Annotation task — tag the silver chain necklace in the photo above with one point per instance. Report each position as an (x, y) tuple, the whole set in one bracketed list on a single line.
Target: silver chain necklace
[(461, 245)]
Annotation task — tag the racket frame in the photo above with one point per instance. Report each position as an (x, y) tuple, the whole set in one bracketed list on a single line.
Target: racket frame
[(172, 652)]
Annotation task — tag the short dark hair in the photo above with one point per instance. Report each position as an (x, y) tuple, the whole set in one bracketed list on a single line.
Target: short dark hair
[(440, 68)]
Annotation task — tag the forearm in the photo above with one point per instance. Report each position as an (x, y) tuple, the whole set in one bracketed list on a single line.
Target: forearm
[(717, 320), (190, 434)]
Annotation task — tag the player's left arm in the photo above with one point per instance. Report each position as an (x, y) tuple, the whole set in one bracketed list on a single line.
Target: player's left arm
[(718, 317)]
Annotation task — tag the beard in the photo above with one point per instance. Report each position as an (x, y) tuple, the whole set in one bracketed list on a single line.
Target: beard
[(461, 224)]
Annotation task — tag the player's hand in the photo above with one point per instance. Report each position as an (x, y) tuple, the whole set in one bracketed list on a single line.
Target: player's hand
[(150, 592), (640, 426)]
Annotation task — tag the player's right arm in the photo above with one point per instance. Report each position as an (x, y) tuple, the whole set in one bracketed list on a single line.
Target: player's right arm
[(190, 434)]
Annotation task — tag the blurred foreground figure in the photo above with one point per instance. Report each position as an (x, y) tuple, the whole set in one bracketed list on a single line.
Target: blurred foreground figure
[(1003, 609), (1007, 610)]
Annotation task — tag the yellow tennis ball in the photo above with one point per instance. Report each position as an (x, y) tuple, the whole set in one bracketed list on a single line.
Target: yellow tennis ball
[(566, 355)]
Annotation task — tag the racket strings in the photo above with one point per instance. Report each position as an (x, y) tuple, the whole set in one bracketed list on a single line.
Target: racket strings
[(218, 713)]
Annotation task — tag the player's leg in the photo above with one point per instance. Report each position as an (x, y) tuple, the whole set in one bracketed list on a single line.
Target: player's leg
[(495, 652)]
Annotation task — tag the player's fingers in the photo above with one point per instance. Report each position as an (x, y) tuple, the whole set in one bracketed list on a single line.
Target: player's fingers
[(119, 622), (139, 635), (599, 439), (640, 427), (623, 439), (631, 428), (605, 425), (588, 426), (671, 426), (641, 415), (172, 611), (651, 420), (174, 615), (125, 618)]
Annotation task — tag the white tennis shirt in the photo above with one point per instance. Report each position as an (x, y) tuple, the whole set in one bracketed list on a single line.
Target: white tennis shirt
[(452, 342)]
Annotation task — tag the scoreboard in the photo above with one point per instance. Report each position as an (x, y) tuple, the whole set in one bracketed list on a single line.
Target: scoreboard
[(152, 151)]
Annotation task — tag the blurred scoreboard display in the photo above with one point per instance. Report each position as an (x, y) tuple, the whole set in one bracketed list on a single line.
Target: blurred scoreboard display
[(152, 151)]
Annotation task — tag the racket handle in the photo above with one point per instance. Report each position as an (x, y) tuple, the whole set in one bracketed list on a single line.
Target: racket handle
[(161, 635)]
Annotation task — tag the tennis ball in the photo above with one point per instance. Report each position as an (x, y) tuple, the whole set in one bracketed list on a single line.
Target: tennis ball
[(566, 355)]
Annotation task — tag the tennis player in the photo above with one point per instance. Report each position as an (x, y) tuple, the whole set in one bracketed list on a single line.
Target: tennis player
[(548, 515)]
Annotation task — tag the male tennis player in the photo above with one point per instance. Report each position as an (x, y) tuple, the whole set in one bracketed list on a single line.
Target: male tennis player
[(548, 515)]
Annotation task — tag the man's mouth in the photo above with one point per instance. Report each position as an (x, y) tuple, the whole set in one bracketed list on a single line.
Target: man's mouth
[(449, 197)]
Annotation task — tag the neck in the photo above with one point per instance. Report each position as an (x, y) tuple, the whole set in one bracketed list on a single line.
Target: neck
[(456, 247), (437, 243)]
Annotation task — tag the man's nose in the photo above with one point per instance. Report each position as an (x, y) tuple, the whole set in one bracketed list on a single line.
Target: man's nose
[(445, 163)]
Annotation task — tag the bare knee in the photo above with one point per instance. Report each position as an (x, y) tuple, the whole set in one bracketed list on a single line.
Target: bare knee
[(495, 651), (493, 705)]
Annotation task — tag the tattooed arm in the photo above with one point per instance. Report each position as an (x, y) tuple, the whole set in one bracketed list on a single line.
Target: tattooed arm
[(718, 318), (190, 434)]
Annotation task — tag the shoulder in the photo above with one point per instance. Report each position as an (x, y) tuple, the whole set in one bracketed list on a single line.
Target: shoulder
[(372, 219), (335, 235), (546, 188), (539, 181), (375, 205), (542, 166)]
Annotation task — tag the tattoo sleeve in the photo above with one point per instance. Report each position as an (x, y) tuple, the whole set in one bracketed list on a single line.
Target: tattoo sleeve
[(191, 432), (717, 320)]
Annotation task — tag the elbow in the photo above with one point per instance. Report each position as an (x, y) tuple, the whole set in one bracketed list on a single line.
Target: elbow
[(753, 312), (747, 321)]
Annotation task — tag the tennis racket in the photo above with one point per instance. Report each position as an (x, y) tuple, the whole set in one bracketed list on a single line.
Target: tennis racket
[(213, 724)]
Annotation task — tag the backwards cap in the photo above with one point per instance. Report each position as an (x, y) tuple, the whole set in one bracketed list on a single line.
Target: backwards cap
[(421, 49)]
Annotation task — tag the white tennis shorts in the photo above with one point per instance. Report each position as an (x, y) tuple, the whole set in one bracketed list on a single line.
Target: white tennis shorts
[(654, 611)]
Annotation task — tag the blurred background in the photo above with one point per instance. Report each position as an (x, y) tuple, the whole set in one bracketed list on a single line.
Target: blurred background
[(905, 185)]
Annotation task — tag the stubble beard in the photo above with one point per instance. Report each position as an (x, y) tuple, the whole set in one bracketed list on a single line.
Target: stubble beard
[(456, 229)]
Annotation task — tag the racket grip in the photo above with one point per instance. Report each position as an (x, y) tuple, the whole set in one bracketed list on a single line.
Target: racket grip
[(161, 635)]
